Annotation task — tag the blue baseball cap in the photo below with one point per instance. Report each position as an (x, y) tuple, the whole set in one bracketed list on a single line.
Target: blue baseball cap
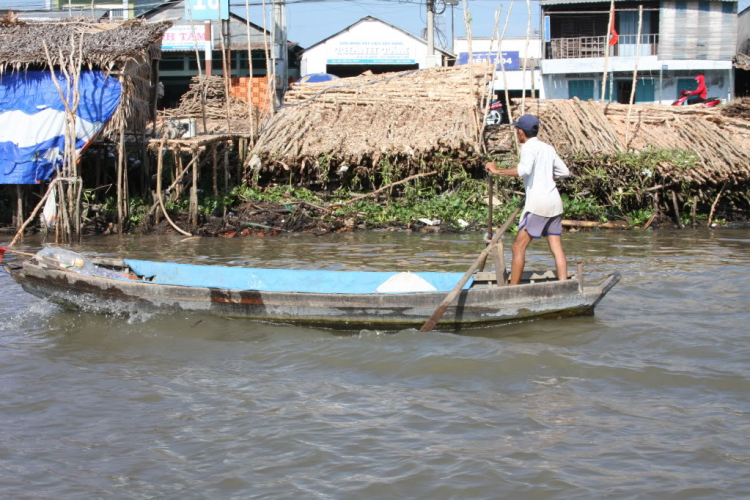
[(526, 122)]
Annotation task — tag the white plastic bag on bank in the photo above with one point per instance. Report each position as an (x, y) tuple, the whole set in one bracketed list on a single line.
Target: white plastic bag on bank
[(49, 213)]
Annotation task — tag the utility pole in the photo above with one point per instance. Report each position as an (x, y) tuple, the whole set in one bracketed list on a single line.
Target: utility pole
[(280, 53), (429, 60), (452, 3)]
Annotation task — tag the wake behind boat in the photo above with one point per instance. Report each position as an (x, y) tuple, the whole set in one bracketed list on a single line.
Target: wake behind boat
[(337, 299)]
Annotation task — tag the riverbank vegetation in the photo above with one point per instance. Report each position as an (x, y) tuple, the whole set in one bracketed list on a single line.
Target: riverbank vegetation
[(618, 190)]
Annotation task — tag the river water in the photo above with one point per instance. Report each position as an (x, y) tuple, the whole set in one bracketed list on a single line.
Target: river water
[(649, 398)]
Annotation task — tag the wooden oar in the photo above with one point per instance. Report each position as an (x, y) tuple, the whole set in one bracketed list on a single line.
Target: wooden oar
[(430, 324)]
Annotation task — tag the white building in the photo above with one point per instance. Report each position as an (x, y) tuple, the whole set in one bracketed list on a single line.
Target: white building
[(514, 51), (369, 44), (680, 39)]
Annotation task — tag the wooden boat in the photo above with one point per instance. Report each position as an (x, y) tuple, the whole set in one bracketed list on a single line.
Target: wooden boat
[(337, 299)]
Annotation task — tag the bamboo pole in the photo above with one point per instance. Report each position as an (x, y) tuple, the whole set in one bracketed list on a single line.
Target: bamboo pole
[(194, 191), (53, 185), (19, 207), (215, 171), (225, 69), (159, 165), (201, 85), (120, 168), (155, 204), (606, 49), (713, 205), (250, 69), (472, 82), (635, 76), (526, 55), (270, 75), (68, 67), (491, 88), (505, 77)]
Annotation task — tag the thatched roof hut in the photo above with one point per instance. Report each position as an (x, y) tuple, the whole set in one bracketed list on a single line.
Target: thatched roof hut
[(410, 116), (126, 50)]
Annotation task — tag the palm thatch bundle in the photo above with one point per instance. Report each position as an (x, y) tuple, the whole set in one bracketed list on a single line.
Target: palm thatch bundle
[(215, 101), (125, 50), (410, 117), (721, 143)]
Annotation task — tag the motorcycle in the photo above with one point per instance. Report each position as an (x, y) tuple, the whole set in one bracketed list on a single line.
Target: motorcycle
[(494, 114), (710, 102)]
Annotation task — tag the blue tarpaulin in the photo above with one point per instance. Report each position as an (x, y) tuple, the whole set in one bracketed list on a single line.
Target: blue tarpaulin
[(279, 280), (32, 120)]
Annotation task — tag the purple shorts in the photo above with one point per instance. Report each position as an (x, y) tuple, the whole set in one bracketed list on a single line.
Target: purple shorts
[(538, 226)]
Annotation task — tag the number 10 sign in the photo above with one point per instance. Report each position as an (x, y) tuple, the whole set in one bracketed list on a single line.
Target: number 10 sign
[(202, 10)]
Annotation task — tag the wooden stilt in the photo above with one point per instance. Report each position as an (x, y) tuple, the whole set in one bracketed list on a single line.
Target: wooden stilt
[(215, 169), (98, 167), (120, 163), (676, 210), (194, 191), (18, 219)]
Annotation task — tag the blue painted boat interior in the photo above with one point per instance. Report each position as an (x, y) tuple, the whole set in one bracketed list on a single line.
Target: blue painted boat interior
[(279, 280)]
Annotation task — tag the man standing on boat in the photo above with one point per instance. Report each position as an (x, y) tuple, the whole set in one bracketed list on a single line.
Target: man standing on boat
[(542, 216)]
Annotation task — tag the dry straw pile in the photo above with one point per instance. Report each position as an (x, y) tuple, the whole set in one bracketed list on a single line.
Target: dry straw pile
[(215, 106), (721, 141), (408, 117)]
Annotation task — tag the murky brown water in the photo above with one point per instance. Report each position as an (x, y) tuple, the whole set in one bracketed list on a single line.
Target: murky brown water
[(650, 398)]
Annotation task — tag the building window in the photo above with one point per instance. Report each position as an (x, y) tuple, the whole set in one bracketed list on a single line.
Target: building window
[(728, 7), (704, 6), (582, 89), (681, 5)]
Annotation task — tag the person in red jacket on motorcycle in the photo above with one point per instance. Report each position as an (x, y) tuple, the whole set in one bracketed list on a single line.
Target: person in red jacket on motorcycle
[(698, 95)]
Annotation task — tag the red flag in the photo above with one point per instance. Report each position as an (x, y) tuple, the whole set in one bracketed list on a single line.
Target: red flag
[(613, 36)]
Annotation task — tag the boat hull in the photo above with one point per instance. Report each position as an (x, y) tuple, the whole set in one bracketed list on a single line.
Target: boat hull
[(475, 307)]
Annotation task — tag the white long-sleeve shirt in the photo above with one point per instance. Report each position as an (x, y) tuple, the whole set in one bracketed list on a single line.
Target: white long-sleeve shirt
[(539, 167)]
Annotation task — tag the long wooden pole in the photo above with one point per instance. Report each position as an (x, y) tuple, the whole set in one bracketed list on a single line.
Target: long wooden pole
[(250, 69), (270, 75), (159, 164), (606, 49), (635, 77), (491, 87), (52, 186), (505, 78), (120, 163), (435, 318), (226, 72), (467, 23), (526, 55), (19, 207), (201, 86)]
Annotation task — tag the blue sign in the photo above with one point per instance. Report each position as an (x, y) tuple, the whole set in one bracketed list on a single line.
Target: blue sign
[(207, 10), (510, 58)]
